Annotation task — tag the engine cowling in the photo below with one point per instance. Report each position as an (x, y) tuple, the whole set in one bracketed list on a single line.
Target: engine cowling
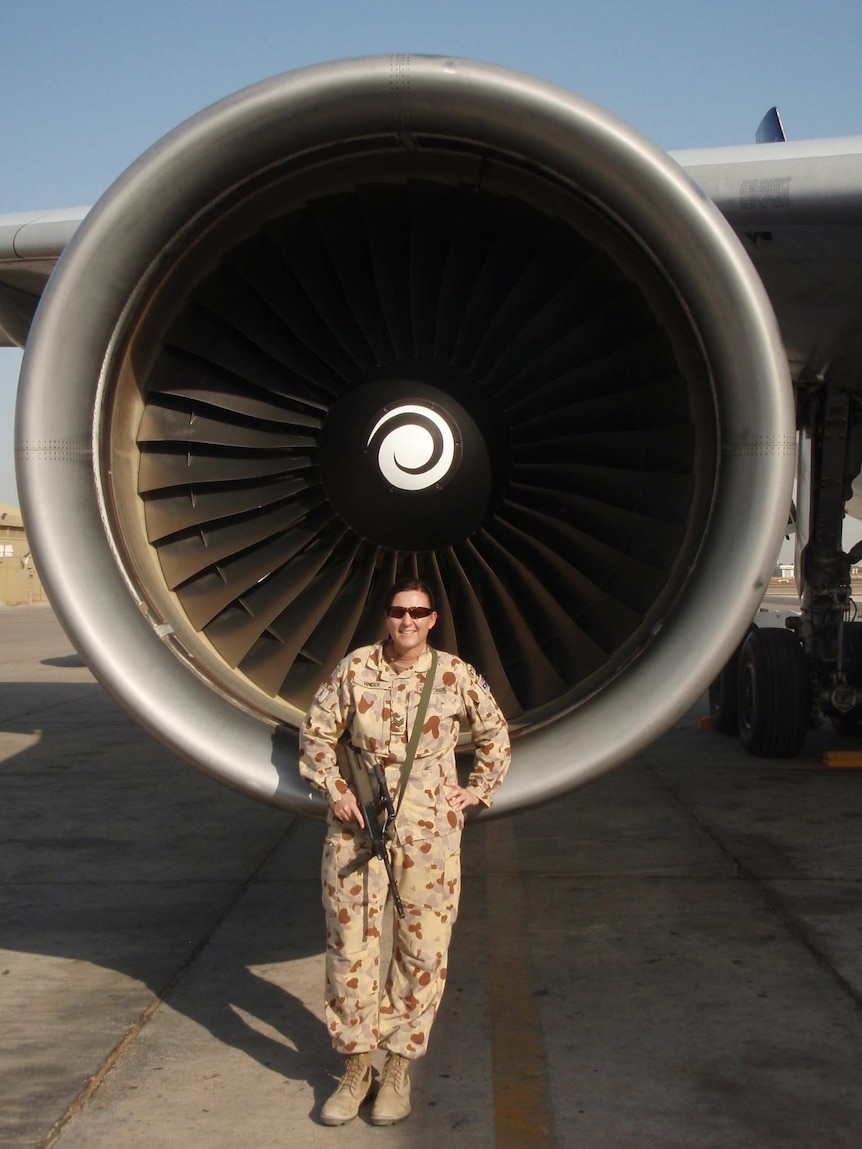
[(393, 316)]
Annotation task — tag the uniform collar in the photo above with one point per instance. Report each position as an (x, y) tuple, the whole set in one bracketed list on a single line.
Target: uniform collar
[(377, 660)]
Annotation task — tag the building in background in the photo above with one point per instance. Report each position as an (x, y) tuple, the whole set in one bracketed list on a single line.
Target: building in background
[(20, 585)]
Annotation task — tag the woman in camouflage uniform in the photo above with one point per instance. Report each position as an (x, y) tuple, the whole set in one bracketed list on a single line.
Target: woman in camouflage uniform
[(375, 692)]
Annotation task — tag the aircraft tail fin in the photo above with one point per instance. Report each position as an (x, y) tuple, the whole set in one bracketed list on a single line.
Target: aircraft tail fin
[(770, 130)]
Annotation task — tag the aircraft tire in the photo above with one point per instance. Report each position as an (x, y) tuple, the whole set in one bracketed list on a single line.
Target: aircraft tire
[(723, 704), (773, 695), (723, 695)]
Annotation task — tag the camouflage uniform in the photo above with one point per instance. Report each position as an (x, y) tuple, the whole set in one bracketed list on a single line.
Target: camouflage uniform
[(379, 703)]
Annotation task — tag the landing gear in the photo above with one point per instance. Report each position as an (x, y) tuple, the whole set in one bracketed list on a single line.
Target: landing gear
[(781, 682), (774, 694)]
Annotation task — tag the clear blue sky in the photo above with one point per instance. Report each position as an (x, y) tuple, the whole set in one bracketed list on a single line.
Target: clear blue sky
[(86, 87)]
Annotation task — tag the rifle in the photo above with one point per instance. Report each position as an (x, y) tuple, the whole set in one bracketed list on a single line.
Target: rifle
[(372, 794)]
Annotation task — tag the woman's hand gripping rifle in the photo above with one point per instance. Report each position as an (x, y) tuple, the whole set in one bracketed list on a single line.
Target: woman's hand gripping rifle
[(378, 812)]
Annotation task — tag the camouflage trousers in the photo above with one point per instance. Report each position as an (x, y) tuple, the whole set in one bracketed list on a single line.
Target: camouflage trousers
[(361, 1014)]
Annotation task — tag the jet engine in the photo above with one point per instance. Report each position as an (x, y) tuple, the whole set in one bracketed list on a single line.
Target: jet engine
[(405, 316)]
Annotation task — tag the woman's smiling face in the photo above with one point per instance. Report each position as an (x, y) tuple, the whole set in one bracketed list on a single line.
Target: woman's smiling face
[(409, 635)]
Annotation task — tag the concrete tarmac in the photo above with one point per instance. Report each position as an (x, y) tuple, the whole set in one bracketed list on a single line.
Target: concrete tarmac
[(669, 957)]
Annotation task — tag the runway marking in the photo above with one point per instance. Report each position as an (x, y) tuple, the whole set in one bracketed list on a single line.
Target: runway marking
[(523, 1114)]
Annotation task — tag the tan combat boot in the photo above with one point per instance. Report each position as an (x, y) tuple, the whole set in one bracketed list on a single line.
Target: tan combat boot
[(352, 1090), (393, 1099)]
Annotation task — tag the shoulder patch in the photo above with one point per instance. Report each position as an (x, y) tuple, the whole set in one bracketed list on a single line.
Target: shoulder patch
[(474, 673), (324, 691)]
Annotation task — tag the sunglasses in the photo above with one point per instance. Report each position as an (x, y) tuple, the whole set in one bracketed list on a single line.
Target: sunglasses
[(413, 611)]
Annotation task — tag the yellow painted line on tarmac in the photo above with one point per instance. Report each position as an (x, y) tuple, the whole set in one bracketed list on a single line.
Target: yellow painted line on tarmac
[(845, 759), (523, 1114)]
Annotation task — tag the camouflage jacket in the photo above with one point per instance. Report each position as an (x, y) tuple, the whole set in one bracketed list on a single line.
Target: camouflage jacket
[(378, 703)]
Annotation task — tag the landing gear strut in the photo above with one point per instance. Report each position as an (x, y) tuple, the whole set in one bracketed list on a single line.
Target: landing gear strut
[(788, 680)]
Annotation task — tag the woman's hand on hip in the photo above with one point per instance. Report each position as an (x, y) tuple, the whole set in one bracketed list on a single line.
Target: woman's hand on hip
[(460, 799)]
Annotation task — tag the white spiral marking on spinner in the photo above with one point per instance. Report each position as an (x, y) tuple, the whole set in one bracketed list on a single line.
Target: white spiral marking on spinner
[(418, 451)]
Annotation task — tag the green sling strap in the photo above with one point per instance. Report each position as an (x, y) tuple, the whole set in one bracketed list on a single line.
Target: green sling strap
[(415, 735)]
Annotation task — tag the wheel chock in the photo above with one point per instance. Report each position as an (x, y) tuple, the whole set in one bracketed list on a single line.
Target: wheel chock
[(704, 723), (845, 759)]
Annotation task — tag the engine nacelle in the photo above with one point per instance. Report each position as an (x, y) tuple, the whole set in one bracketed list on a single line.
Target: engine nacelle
[(391, 316)]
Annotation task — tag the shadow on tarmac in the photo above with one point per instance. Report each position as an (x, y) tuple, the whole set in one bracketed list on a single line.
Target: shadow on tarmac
[(114, 856)]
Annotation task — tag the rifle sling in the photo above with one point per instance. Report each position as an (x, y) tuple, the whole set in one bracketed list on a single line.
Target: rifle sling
[(415, 733)]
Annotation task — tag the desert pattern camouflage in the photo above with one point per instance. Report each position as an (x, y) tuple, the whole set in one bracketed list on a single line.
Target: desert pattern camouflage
[(428, 873), (379, 703)]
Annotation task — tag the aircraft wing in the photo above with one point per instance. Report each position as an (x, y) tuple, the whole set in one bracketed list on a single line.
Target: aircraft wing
[(30, 245), (797, 208)]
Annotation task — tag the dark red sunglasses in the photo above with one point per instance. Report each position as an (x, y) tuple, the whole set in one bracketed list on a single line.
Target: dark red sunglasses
[(413, 611)]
